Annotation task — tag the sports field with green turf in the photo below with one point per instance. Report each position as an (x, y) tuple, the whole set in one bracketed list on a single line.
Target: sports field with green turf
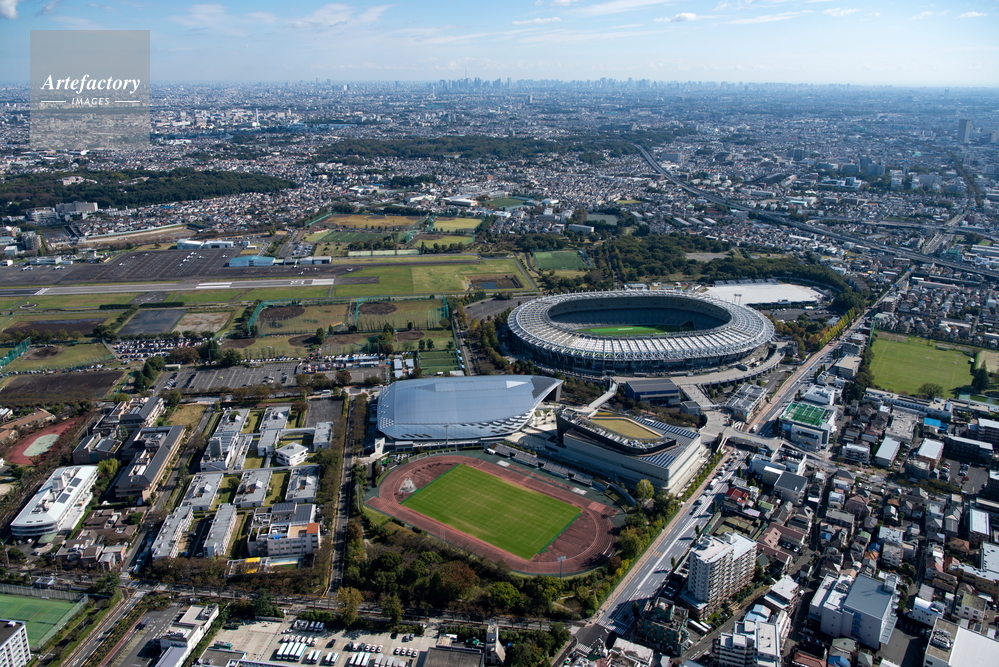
[(557, 260), (39, 615), (510, 517), (634, 330), (905, 366)]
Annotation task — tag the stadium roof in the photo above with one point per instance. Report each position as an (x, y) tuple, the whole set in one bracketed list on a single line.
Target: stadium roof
[(461, 407)]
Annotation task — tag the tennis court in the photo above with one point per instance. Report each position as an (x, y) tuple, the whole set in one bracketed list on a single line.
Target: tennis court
[(511, 517), (41, 616)]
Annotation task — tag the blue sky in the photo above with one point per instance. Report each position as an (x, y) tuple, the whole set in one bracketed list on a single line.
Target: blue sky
[(898, 42)]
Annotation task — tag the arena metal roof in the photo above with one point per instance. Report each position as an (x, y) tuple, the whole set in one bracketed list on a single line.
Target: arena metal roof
[(461, 407), (734, 330)]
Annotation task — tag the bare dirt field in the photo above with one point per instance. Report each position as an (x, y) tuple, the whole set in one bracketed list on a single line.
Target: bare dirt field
[(238, 343), (41, 353), (82, 326), (378, 308), (67, 387), (210, 322), (584, 544), (281, 312)]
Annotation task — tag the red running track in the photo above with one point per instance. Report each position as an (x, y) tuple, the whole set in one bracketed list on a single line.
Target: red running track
[(584, 543)]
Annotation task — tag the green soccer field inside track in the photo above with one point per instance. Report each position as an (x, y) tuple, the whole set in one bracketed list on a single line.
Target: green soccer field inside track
[(507, 516)]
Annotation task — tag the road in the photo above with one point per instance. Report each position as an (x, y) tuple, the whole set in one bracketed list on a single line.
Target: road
[(656, 565), (185, 286), (89, 646)]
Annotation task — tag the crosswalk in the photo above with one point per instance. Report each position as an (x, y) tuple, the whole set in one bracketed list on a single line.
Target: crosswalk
[(42, 291)]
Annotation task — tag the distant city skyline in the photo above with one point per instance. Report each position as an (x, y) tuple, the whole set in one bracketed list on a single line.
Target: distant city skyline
[(877, 42)]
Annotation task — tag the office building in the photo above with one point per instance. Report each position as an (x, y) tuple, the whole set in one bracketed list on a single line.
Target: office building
[(220, 532), (286, 529), (964, 131), (752, 643), (14, 649), (59, 504), (663, 626), (291, 455), (861, 608), (185, 632), (719, 567), (151, 449), (173, 534), (951, 645), (810, 426)]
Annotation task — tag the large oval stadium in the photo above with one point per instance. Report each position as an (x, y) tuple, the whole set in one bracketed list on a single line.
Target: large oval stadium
[(629, 332)]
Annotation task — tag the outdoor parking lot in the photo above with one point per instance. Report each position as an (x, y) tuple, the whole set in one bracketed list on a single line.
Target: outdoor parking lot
[(280, 373), (262, 639)]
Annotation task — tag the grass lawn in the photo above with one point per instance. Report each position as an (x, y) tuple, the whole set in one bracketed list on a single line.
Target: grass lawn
[(253, 421), (227, 490), (904, 367), (79, 301), (510, 517), (253, 460), (313, 318), (39, 615), (634, 330), (559, 260), (187, 415), (69, 357), (358, 221), (453, 224), (391, 280), (207, 296), (277, 489), (454, 277), (275, 293), (8, 302), (445, 240), (268, 347)]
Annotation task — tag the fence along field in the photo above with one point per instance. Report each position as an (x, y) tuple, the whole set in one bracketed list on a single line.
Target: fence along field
[(515, 519), (44, 612)]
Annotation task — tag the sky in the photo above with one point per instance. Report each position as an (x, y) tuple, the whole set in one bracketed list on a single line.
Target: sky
[(951, 43)]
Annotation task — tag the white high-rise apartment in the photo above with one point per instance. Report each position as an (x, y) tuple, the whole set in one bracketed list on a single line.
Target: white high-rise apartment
[(14, 649), (719, 567)]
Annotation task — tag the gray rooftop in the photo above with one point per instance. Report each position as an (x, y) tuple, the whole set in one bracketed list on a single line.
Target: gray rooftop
[(868, 596)]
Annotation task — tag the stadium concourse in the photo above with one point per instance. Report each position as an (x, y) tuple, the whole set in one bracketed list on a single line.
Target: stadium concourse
[(630, 332)]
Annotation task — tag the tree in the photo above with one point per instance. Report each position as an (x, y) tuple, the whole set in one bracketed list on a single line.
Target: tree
[(183, 355), (930, 390), (350, 601), (320, 336), (644, 489), (980, 380), (300, 406), (210, 350), (504, 596), (174, 397), (230, 358), (392, 607), (631, 542), (343, 378)]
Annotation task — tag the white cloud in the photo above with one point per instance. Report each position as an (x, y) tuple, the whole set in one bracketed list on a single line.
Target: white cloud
[(769, 18), (839, 12), (538, 21), (48, 7), (679, 18), (618, 6), (561, 3), (971, 15), (97, 5), (215, 17), (8, 8), (926, 15)]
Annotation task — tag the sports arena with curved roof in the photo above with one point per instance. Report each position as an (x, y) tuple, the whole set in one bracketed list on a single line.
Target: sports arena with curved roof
[(637, 331), (459, 408)]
